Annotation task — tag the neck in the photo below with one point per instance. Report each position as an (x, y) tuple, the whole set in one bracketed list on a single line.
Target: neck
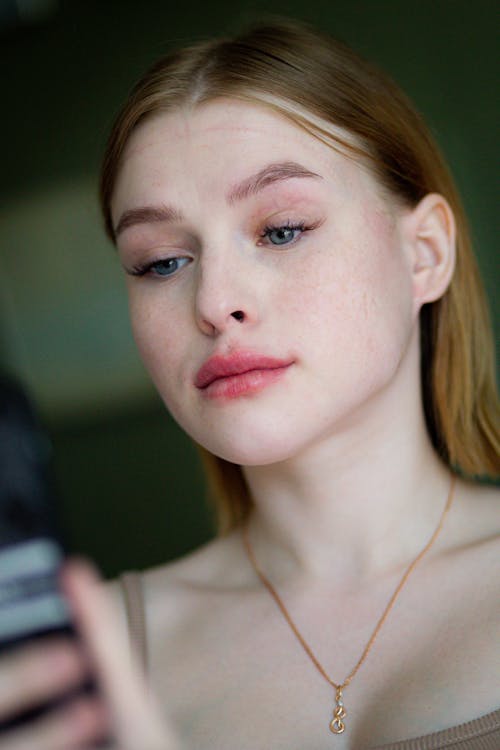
[(359, 502)]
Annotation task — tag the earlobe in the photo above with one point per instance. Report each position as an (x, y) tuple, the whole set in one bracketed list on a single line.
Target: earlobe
[(432, 239)]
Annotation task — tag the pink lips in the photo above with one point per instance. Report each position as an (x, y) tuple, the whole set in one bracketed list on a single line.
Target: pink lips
[(238, 373)]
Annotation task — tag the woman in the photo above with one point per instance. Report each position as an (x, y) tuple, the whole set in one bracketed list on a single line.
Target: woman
[(303, 294)]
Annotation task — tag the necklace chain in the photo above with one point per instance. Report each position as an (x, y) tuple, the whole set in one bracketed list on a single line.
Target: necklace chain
[(337, 726)]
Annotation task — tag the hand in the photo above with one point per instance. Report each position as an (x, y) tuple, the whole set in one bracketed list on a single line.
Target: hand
[(127, 710)]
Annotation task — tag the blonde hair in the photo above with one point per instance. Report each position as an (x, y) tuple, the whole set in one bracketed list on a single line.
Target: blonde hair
[(321, 85)]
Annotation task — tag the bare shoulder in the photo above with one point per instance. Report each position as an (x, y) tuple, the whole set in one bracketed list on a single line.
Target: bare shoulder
[(476, 517), (203, 566), (176, 590), (473, 542), (471, 561)]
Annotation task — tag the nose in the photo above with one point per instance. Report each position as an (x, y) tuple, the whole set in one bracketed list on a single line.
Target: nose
[(223, 298)]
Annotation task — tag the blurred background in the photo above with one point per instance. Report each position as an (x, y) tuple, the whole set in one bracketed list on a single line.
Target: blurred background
[(129, 480)]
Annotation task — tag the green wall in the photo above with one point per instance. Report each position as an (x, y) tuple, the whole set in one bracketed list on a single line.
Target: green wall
[(130, 481)]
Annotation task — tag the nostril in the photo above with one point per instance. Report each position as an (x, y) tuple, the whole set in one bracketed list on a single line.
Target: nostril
[(238, 315)]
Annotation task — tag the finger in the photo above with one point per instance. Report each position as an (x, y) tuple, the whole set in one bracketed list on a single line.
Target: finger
[(76, 726), (133, 709), (36, 673)]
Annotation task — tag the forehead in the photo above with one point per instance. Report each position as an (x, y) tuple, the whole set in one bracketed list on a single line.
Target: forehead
[(218, 143), (214, 122)]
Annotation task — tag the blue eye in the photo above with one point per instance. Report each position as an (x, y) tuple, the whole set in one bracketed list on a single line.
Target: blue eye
[(167, 267), (160, 268), (283, 235)]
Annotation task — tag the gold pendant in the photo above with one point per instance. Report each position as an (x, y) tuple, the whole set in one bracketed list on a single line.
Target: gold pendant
[(337, 726)]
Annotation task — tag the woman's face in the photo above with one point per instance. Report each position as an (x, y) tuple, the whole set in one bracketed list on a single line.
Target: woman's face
[(270, 293)]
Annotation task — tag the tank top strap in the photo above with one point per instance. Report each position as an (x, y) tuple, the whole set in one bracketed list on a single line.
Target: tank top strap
[(133, 596)]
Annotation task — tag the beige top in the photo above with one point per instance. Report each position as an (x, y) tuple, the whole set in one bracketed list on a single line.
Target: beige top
[(482, 733)]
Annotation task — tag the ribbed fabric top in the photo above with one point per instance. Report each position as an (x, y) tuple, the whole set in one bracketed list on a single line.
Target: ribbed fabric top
[(482, 733)]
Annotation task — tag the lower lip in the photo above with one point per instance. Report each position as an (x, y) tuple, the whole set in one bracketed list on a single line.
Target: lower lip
[(246, 383)]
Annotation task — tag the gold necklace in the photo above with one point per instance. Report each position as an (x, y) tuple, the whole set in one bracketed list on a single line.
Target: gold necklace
[(337, 725)]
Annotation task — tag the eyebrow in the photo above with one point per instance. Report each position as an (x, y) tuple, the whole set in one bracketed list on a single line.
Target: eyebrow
[(271, 173), (278, 172), (147, 215)]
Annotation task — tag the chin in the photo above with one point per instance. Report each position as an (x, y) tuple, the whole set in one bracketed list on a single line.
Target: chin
[(247, 452), (252, 455), (252, 446)]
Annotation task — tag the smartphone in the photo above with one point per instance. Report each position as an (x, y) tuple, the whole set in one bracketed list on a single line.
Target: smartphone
[(32, 548)]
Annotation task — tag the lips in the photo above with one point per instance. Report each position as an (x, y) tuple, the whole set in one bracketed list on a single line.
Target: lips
[(238, 363)]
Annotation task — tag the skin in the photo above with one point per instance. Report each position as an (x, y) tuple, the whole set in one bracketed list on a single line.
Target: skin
[(347, 487), (350, 377), (351, 251)]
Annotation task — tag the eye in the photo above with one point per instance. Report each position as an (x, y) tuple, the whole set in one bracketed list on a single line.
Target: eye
[(283, 235), (160, 268)]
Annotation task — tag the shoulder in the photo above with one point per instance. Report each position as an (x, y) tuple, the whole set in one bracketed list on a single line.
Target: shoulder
[(206, 566), (172, 592), (214, 568), (466, 573), (472, 541), (475, 521)]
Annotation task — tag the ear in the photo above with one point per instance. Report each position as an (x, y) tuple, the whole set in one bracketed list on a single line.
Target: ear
[(430, 237)]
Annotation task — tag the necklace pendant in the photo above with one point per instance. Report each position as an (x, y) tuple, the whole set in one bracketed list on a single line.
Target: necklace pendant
[(337, 725)]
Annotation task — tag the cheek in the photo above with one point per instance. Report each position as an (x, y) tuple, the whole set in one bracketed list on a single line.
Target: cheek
[(158, 335), (144, 326), (381, 323), (361, 305)]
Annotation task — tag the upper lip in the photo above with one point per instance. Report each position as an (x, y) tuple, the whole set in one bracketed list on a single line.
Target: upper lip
[(220, 366)]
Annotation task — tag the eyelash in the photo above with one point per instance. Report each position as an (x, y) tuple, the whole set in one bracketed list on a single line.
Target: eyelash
[(147, 268), (290, 225)]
